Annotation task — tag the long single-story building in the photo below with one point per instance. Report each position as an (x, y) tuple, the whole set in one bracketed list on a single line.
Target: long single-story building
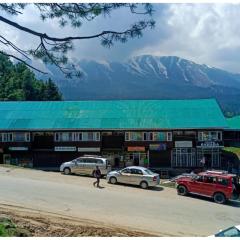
[(154, 133)]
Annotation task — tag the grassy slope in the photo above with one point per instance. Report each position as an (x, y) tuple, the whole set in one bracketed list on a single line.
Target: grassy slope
[(234, 150)]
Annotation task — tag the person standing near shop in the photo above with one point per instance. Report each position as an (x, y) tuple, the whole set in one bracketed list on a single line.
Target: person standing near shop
[(97, 174), (146, 162)]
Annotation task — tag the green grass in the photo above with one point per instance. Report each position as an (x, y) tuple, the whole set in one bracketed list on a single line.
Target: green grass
[(234, 150), (9, 229)]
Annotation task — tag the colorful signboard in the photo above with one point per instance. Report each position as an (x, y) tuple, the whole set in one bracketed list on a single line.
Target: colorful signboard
[(136, 149), (96, 149), (158, 147), (65, 149)]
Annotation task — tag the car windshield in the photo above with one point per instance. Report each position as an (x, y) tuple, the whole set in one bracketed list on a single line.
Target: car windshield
[(149, 171)]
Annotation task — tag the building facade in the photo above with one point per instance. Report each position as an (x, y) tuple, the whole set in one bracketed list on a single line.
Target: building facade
[(153, 133)]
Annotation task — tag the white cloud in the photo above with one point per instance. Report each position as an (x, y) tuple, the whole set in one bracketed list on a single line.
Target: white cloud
[(200, 32), (204, 33)]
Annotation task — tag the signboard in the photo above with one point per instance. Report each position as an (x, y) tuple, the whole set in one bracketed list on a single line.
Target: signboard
[(96, 149), (183, 144), (18, 148), (65, 149), (158, 147), (136, 149), (210, 144)]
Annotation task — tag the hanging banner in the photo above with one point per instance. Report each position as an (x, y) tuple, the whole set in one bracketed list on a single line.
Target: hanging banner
[(136, 149)]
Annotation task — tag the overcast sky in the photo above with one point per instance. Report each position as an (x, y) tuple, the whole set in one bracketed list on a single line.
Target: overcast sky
[(204, 33)]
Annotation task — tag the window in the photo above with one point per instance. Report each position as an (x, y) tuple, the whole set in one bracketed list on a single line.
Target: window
[(210, 136), (200, 179), (136, 171), (77, 136), (210, 179), (15, 137), (127, 136), (230, 232), (99, 161), (223, 181), (147, 136), (126, 170), (183, 157), (169, 136)]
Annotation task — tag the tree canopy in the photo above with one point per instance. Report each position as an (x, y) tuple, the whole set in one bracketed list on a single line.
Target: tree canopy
[(52, 49), (18, 83)]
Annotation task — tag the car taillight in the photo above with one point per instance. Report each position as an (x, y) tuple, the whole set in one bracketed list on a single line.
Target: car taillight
[(155, 178)]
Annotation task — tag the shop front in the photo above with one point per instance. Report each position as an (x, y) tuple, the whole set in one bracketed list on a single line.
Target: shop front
[(20, 156), (136, 156), (183, 155), (209, 154), (159, 155)]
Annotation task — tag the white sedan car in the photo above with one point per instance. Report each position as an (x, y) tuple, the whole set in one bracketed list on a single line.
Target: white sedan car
[(229, 232), (134, 175)]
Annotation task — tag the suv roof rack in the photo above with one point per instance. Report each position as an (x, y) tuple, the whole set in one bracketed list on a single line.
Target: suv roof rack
[(86, 155), (217, 172)]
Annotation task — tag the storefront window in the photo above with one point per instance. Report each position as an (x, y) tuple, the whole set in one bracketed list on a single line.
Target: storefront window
[(210, 136), (15, 137), (77, 136)]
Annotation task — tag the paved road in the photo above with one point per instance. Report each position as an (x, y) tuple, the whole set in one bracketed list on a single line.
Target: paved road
[(160, 211)]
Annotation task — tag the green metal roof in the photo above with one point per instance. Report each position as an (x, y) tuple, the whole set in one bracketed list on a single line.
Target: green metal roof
[(116, 114), (233, 123)]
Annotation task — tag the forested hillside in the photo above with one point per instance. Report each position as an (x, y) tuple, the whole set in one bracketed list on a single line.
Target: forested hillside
[(18, 83)]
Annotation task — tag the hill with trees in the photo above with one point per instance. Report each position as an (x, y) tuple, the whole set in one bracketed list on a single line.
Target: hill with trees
[(18, 83)]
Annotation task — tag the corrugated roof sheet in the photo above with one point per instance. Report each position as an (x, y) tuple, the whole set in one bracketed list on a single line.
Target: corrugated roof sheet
[(116, 114), (233, 123)]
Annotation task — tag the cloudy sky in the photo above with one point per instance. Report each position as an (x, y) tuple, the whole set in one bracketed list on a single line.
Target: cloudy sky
[(204, 33)]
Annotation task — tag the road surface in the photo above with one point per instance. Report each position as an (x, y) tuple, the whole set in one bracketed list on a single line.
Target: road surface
[(159, 211)]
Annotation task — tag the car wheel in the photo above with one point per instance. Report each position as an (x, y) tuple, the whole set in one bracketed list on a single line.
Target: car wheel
[(113, 180), (67, 171), (144, 185), (182, 190), (219, 198)]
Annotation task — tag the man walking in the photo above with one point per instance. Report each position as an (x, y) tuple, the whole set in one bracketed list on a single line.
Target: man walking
[(97, 174)]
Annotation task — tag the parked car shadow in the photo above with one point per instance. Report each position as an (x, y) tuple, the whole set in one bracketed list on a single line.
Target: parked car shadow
[(156, 188), (230, 203)]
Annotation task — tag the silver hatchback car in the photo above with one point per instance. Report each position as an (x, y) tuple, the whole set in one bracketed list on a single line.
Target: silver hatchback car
[(134, 175)]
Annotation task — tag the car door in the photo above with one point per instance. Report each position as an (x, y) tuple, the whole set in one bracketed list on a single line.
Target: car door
[(90, 165), (80, 166), (124, 176), (209, 185), (196, 185), (136, 176)]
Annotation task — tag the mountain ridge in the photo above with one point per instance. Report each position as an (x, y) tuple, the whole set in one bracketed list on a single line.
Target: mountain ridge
[(151, 77)]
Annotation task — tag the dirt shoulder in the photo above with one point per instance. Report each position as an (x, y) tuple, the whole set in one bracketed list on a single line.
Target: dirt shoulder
[(43, 224)]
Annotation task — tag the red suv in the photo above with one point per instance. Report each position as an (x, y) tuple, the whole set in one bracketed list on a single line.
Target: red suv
[(214, 184)]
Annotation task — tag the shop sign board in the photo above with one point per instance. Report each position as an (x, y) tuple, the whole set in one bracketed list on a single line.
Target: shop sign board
[(210, 144), (96, 149), (158, 147), (18, 148), (64, 149), (183, 144), (136, 149)]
